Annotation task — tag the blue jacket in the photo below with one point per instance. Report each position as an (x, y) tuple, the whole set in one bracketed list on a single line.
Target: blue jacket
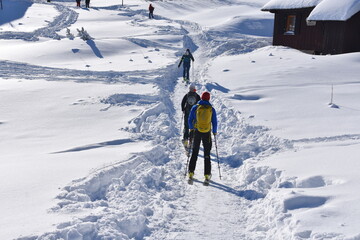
[(192, 116), (186, 60)]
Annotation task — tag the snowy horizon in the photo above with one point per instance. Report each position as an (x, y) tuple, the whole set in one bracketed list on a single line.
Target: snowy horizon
[(91, 129)]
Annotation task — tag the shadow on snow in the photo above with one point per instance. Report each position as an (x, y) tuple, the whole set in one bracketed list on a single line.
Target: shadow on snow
[(250, 195), (94, 48), (97, 145), (8, 14)]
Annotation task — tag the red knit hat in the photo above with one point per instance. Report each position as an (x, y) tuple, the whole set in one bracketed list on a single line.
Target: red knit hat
[(205, 96)]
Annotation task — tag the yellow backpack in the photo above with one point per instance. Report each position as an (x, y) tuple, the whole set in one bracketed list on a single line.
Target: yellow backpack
[(203, 118)]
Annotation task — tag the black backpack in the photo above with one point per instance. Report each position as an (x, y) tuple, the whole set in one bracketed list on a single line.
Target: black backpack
[(191, 100)]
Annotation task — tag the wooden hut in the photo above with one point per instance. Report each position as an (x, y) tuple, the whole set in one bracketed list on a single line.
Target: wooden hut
[(317, 26)]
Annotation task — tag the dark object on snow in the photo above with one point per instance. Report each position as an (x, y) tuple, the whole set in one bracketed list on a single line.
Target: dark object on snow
[(186, 61), (151, 11), (188, 101), (202, 117)]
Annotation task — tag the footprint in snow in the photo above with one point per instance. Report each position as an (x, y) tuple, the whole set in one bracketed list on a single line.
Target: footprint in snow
[(304, 202)]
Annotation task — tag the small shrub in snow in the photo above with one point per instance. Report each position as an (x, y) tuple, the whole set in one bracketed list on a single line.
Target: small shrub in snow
[(69, 35), (83, 34)]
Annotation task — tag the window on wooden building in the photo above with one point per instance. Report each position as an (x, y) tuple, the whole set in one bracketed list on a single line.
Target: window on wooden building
[(290, 25)]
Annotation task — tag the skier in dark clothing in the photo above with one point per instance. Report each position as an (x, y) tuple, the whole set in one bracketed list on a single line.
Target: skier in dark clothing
[(188, 101), (87, 3), (201, 118), (151, 11), (78, 3), (186, 61)]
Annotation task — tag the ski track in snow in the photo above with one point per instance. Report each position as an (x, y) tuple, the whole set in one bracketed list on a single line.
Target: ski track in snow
[(11, 69), (147, 197), (66, 17)]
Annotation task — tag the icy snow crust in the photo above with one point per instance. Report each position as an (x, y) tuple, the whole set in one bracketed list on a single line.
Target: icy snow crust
[(90, 130)]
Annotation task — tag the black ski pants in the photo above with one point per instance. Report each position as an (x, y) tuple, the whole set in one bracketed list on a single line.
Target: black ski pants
[(186, 71), (151, 14), (205, 138)]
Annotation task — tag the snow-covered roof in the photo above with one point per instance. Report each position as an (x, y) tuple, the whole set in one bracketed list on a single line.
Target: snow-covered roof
[(289, 4), (334, 10), (324, 10)]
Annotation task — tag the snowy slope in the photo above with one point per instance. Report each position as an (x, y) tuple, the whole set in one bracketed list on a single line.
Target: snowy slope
[(90, 130)]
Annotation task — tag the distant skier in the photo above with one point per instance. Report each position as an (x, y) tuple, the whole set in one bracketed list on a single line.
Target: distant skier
[(151, 11), (188, 101), (87, 3), (186, 61), (201, 118), (78, 3)]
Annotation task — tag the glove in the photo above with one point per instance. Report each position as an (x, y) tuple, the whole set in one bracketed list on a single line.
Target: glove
[(191, 134)]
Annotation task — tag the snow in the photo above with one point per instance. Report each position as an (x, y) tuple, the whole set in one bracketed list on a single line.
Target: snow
[(324, 10), (289, 4), (27, 18), (330, 10), (90, 130)]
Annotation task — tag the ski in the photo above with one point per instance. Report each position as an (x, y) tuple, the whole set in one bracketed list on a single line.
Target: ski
[(206, 182), (190, 181), (186, 81)]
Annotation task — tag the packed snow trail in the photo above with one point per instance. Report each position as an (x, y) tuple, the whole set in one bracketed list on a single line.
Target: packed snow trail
[(209, 212), (147, 197)]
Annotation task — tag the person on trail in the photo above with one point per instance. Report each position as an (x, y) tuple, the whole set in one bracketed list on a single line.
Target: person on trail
[(188, 101), (202, 117), (151, 11), (78, 3), (87, 3), (186, 60)]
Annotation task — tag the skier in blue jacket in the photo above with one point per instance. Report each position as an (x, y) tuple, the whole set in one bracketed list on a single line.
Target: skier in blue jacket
[(202, 117), (186, 61)]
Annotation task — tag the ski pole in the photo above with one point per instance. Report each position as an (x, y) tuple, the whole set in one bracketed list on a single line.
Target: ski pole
[(193, 72), (182, 118), (217, 156)]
